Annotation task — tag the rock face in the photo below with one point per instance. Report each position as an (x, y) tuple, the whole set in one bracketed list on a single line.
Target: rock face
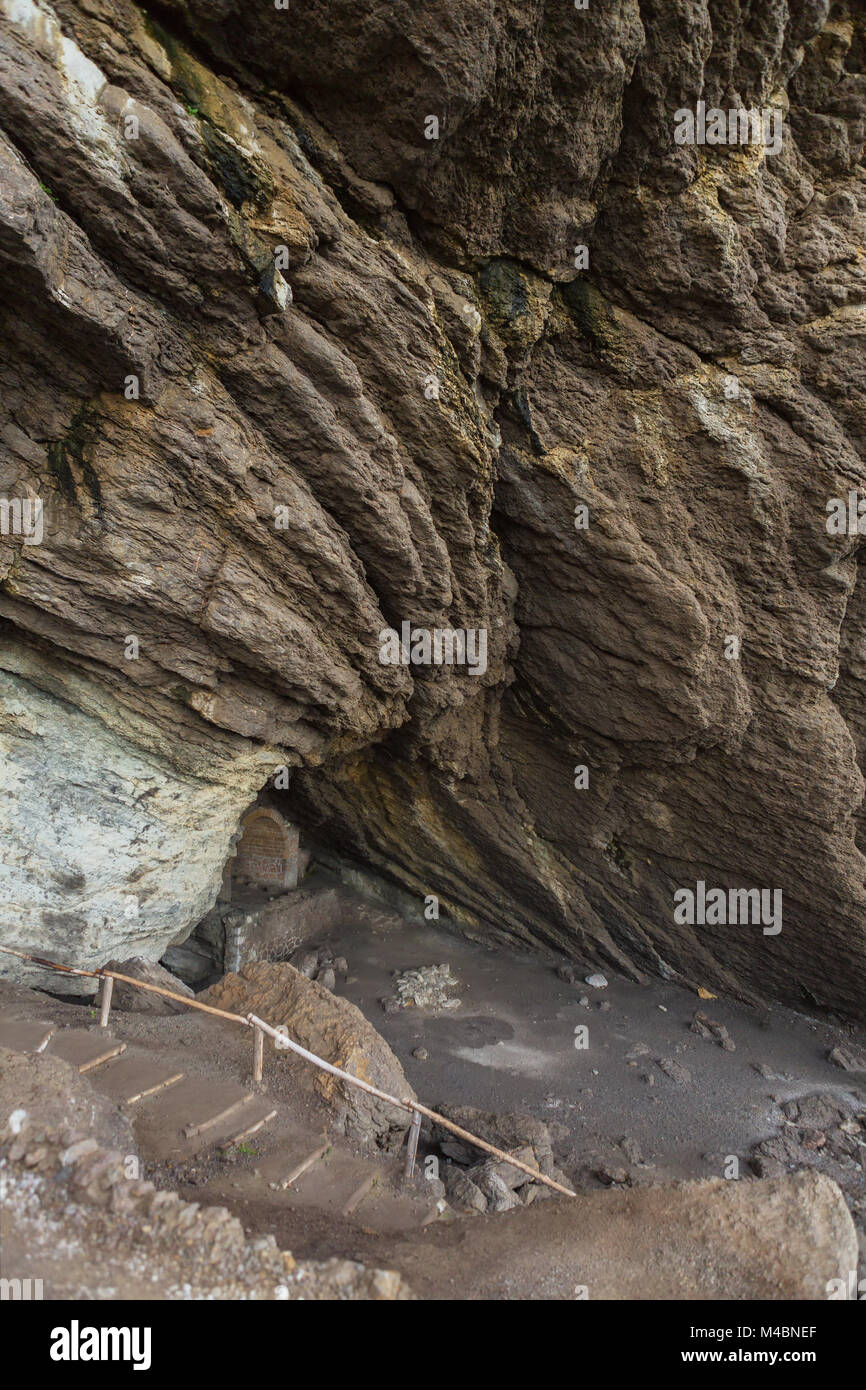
[(336, 1031), (284, 372), (140, 1001)]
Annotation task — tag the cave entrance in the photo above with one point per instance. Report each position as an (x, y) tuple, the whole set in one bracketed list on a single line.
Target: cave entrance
[(267, 854)]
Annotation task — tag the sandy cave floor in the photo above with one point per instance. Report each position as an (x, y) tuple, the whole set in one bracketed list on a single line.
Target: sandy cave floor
[(510, 1046)]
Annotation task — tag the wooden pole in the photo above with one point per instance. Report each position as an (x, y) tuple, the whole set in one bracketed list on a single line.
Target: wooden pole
[(412, 1145), (107, 991), (258, 1053)]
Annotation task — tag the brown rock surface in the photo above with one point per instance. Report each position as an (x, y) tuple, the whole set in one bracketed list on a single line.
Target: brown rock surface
[(46, 1091), (140, 1001), (284, 486), (715, 1240), (337, 1032)]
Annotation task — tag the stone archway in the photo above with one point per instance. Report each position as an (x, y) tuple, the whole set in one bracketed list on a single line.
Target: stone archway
[(267, 851)]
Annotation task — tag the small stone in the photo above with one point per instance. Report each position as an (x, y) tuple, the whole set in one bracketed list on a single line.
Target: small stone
[(848, 1058), (420, 1054), (764, 1167), (463, 1193), (813, 1139), (597, 981), (274, 292), (499, 1194), (675, 1070), (632, 1150), (708, 1028), (612, 1175), (566, 973), (77, 1151), (327, 979)]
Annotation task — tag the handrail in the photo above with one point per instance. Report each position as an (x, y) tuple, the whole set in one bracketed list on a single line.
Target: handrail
[(414, 1107)]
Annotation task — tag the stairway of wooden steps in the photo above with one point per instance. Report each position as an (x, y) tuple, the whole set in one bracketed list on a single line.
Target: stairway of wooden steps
[(177, 1116), (131, 1078)]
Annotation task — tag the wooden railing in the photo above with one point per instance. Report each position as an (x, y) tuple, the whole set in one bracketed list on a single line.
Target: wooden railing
[(413, 1107)]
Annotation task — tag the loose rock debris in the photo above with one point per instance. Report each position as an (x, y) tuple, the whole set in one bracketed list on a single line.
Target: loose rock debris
[(428, 987), (714, 1032)]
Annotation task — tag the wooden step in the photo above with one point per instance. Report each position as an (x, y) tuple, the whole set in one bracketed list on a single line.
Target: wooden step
[(337, 1181), (218, 1118), (297, 1152), (134, 1077), (85, 1050), (390, 1212), (256, 1116), (355, 1198), (194, 1114), (23, 1035)]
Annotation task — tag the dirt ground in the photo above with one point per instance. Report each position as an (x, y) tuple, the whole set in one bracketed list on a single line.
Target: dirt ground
[(646, 1101)]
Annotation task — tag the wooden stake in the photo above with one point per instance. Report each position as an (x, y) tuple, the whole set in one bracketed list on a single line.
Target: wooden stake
[(103, 1057), (358, 1195), (258, 1053), (412, 1144), (152, 1090), (107, 991)]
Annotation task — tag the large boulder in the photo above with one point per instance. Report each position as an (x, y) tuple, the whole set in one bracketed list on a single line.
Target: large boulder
[(141, 1001), (336, 1031), (787, 1238)]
